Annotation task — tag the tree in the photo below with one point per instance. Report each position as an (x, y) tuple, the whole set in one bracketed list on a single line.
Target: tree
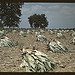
[(1, 26), (10, 14), (2, 13), (38, 21)]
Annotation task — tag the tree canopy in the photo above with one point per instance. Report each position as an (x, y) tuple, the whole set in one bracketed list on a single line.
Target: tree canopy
[(10, 14), (38, 21)]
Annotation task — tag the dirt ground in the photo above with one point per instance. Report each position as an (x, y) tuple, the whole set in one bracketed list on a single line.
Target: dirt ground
[(11, 58)]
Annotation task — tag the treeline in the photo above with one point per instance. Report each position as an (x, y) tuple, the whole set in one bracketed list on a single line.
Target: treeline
[(66, 28), (10, 14)]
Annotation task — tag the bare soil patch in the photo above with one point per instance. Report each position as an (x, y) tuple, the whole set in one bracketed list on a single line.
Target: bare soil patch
[(11, 58)]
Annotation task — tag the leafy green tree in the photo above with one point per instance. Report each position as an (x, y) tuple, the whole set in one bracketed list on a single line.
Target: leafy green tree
[(38, 21), (1, 26), (10, 14), (2, 13)]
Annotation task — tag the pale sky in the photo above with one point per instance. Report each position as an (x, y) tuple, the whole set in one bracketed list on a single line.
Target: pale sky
[(59, 15)]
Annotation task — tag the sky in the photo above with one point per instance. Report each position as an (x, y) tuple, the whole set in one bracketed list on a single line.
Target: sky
[(59, 15)]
